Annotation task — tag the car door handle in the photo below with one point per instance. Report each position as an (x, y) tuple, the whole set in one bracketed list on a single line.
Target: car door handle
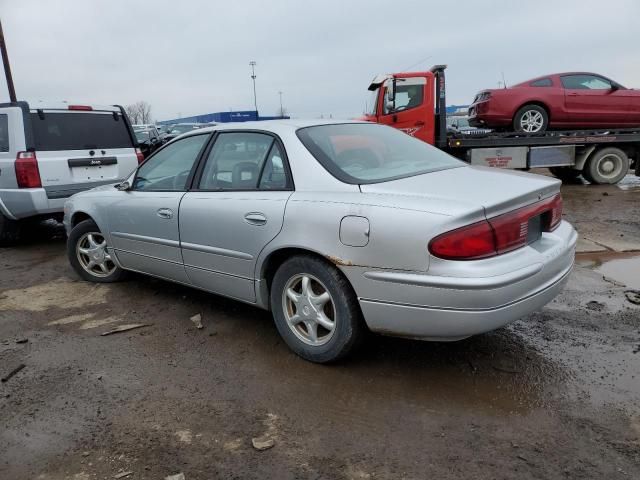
[(572, 94), (255, 218), (165, 213)]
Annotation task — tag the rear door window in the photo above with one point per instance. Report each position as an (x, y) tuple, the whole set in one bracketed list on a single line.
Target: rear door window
[(79, 131)]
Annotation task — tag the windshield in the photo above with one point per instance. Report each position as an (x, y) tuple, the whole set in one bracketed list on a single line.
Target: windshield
[(178, 129), (142, 136), (359, 153)]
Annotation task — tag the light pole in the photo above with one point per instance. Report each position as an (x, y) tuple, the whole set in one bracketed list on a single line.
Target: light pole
[(281, 110), (253, 77), (7, 67)]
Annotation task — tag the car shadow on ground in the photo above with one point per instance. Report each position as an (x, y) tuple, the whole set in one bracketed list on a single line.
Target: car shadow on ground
[(499, 370)]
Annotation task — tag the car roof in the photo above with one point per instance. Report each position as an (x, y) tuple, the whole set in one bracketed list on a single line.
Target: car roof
[(274, 126), (65, 106), (561, 74)]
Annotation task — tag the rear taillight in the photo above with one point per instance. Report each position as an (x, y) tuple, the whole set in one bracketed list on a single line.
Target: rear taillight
[(466, 243), (27, 173), (496, 235), (140, 156), (555, 215)]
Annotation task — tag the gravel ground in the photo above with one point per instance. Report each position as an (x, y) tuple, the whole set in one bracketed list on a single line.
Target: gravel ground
[(554, 395)]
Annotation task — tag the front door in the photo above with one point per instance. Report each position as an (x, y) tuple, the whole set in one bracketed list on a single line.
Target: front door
[(143, 224), (234, 211), (413, 108), (592, 100)]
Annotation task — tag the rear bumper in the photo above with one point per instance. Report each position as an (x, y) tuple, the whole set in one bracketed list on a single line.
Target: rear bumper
[(28, 202), (453, 299), (441, 324)]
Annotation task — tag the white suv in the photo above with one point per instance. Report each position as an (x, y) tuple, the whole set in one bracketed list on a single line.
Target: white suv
[(48, 153)]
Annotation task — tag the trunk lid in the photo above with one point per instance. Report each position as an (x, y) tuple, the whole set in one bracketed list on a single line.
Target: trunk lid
[(497, 191)]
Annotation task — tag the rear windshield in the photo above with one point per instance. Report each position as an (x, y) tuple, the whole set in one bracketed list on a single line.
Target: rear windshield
[(360, 153), (79, 131)]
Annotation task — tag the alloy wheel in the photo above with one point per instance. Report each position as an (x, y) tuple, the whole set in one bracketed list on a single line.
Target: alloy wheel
[(531, 121), (309, 309), (91, 250)]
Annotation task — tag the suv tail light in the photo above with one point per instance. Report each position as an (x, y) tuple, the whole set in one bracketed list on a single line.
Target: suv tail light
[(84, 108), (140, 156), (496, 235), (27, 173)]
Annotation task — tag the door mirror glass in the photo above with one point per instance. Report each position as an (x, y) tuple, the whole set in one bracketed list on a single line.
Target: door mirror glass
[(123, 186)]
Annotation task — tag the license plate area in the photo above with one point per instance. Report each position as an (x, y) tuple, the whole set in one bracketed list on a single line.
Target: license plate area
[(534, 229), (93, 169)]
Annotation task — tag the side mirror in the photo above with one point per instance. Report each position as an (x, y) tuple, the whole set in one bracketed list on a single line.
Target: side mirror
[(390, 104), (123, 187), (615, 87)]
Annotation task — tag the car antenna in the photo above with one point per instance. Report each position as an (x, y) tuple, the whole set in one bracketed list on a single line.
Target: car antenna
[(504, 83)]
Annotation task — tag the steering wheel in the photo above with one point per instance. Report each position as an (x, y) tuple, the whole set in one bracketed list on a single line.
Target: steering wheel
[(180, 179)]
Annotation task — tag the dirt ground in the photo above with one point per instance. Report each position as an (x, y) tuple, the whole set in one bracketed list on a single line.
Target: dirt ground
[(555, 395)]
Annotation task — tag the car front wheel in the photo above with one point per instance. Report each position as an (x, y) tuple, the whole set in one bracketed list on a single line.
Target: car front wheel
[(315, 309), (89, 256), (531, 119)]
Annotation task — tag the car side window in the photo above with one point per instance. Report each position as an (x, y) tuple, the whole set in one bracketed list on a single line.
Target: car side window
[(274, 174), (409, 94), (239, 160), (543, 82), (168, 170), (4, 133), (585, 82)]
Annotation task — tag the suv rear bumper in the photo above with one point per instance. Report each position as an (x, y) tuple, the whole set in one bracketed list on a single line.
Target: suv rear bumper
[(28, 202)]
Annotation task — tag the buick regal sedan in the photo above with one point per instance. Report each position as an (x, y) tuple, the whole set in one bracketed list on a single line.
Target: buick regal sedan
[(334, 227), (561, 101)]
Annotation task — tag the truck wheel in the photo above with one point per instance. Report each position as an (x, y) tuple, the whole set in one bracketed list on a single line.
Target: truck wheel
[(531, 119), (9, 231), (607, 166), (315, 309), (566, 174), (88, 254)]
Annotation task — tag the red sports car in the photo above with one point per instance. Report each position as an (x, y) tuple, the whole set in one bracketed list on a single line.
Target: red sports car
[(562, 101)]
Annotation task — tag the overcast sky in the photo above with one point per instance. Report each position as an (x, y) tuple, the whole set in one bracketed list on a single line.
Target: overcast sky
[(191, 57)]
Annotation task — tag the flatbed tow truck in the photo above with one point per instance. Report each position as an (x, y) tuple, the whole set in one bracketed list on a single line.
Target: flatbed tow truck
[(415, 102)]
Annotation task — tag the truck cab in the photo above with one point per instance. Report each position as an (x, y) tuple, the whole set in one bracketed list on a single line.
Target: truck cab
[(407, 101)]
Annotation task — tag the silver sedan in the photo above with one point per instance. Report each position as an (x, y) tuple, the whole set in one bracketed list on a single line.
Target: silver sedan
[(334, 227)]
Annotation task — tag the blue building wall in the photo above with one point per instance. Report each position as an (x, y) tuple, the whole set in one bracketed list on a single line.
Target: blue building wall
[(222, 117)]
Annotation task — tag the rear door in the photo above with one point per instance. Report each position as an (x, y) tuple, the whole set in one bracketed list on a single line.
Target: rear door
[(235, 209), (143, 223), (78, 150), (591, 100)]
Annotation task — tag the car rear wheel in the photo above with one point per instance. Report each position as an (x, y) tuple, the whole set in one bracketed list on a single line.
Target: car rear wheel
[(566, 174), (531, 119), (9, 231), (315, 309), (607, 166), (89, 256)]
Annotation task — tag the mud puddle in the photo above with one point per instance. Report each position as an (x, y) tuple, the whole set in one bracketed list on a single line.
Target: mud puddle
[(624, 268)]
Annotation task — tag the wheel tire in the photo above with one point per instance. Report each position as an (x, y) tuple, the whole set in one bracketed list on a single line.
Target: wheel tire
[(528, 114), (9, 231), (348, 323), (566, 174), (606, 166), (76, 237)]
